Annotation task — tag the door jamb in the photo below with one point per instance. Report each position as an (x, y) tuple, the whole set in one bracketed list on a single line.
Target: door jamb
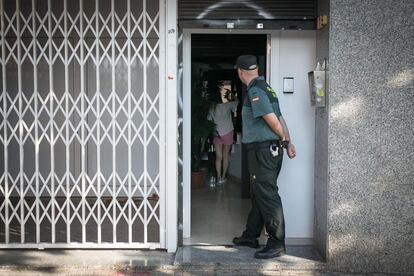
[(271, 74)]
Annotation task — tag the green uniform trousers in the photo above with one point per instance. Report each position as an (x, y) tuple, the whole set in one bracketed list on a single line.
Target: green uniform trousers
[(266, 208)]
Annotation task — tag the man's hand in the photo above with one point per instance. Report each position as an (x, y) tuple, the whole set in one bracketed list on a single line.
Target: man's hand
[(229, 95), (291, 152)]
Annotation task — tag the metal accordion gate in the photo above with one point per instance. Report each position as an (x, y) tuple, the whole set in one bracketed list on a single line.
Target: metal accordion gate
[(82, 109)]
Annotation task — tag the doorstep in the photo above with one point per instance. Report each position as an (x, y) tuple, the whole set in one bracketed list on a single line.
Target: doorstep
[(240, 257)]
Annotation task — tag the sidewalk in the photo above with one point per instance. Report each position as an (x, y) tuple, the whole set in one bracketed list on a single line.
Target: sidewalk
[(191, 260)]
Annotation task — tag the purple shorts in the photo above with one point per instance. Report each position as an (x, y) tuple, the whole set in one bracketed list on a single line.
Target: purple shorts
[(226, 139)]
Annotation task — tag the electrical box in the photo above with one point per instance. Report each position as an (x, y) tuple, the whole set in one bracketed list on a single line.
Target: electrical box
[(288, 85), (317, 88)]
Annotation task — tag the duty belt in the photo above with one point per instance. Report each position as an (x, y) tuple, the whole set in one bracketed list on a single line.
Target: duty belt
[(264, 144)]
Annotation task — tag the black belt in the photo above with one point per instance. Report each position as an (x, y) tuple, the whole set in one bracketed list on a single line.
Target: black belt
[(264, 144)]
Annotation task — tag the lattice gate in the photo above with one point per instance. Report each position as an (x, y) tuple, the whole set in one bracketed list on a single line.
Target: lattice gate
[(82, 122)]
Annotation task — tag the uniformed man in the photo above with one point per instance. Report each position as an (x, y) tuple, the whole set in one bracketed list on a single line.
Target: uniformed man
[(265, 134)]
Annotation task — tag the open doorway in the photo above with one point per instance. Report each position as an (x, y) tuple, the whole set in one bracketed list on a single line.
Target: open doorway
[(219, 210), (288, 54)]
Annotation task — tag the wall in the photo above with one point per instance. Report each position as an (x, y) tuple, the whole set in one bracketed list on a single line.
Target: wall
[(321, 142), (371, 138), (295, 58)]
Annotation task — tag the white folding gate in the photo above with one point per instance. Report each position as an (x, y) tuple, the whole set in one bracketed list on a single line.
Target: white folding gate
[(82, 108)]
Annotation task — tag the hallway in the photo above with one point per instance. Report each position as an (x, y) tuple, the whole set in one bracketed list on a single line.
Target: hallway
[(218, 214)]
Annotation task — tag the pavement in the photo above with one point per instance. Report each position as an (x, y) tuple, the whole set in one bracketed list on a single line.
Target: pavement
[(189, 260)]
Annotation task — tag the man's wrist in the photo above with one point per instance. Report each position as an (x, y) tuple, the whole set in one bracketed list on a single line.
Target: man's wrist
[(285, 143)]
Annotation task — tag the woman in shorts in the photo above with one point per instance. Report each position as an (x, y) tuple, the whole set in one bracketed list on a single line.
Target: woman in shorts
[(221, 114)]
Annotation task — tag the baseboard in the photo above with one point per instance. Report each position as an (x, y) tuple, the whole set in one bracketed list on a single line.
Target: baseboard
[(299, 241)]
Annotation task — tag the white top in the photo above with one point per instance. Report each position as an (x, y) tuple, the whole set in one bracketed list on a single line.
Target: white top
[(221, 115)]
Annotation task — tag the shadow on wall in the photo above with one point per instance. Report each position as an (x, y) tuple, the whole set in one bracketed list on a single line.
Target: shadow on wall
[(367, 230), (371, 212)]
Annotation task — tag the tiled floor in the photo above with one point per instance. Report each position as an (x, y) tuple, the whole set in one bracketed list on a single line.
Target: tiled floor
[(218, 214)]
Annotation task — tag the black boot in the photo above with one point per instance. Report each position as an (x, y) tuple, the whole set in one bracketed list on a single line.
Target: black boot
[(270, 252), (245, 241)]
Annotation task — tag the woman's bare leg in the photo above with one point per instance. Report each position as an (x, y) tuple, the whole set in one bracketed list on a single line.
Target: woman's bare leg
[(219, 158), (226, 154)]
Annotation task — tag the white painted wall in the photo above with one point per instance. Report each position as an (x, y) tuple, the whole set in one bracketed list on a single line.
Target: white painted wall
[(294, 56)]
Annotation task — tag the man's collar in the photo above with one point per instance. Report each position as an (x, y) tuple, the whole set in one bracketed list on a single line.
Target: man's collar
[(253, 81)]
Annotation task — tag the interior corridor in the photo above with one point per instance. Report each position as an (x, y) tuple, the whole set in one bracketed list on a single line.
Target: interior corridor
[(218, 214)]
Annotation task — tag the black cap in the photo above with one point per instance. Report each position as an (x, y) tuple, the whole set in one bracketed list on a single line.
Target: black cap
[(246, 62)]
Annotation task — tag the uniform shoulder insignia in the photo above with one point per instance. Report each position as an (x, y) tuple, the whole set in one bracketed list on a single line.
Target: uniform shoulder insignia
[(270, 89)]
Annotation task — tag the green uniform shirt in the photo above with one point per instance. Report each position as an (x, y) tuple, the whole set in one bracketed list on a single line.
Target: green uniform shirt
[(260, 100)]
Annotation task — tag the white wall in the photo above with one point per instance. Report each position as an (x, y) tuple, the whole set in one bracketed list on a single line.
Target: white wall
[(295, 57)]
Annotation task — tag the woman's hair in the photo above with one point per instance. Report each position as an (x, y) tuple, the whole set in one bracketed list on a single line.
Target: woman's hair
[(215, 99), (214, 87), (215, 96)]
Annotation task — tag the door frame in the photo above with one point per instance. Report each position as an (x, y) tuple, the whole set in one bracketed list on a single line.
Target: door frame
[(272, 71)]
